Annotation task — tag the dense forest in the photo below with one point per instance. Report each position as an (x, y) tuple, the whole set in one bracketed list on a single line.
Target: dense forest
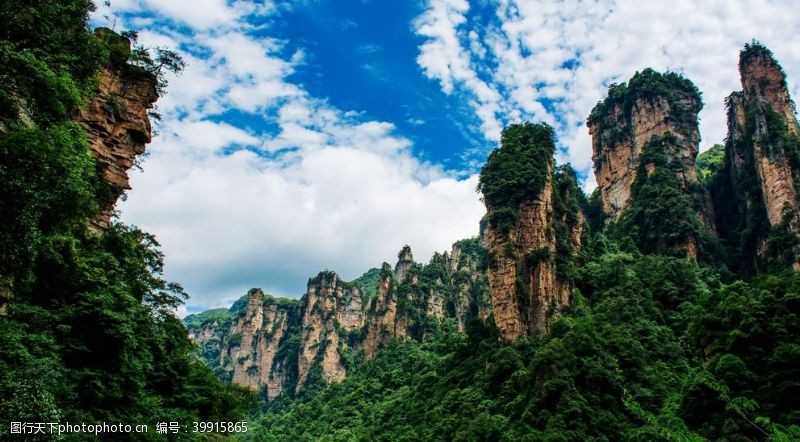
[(88, 334), (654, 343)]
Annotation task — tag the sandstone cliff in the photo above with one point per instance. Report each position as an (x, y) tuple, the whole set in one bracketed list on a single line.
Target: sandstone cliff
[(528, 285), (469, 290), (757, 191), (244, 345), (277, 345), (331, 311), (115, 118), (530, 239), (383, 323), (405, 263), (117, 124), (647, 124)]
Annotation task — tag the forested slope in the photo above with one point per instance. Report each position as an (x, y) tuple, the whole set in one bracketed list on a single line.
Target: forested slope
[(87, 331), (651, 347)]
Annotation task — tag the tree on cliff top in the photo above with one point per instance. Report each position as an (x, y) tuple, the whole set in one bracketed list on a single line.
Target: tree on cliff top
[(517, 171), (756, 49), (679, 92)]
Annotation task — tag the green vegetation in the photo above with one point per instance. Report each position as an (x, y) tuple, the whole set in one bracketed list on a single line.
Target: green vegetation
[(652, 348), (516, 171), (48, 57), (568, 203), (90, 336), (284, 303), (221, 316), (749, 336), (368, 282), (472, 253), (710, 163), (661, 217), (681, 94), (35, 207)]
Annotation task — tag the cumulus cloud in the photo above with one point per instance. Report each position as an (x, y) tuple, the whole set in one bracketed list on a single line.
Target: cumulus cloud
[(255, 182), (552, 60), (301, 187), (443, 57)]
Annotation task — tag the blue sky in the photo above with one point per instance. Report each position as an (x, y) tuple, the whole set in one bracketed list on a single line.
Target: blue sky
[(361, 56), (319, 134)]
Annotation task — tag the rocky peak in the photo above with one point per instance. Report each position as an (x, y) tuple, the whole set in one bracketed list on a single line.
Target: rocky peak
[(405, 264), (254, 297), (331, 307), (757, 191), (649, 123), (246, 343), (765, 96), (650, 105), (281, 345), (454, 257), (763, 79), (382, 322), (522, 234), (464, 256), (117, 124)]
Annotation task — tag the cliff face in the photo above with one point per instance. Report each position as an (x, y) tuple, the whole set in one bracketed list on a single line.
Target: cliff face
[(118, 128), (244, 345), (469, 290), (757, 193), (114, 116), (405, 264), (765, 99), (532, 238), (383, 323), (278, 345), (618, 141), (260, 329), (652, 115), (527, 286), (331, 309)]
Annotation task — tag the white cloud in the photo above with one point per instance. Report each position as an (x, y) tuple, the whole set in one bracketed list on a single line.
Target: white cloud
[(230, 221), (205, 14), (205, 136), (236, 205), (552, 60), (442, 57)]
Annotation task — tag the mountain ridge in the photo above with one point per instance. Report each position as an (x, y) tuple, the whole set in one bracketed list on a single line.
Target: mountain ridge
[(645, 141)]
